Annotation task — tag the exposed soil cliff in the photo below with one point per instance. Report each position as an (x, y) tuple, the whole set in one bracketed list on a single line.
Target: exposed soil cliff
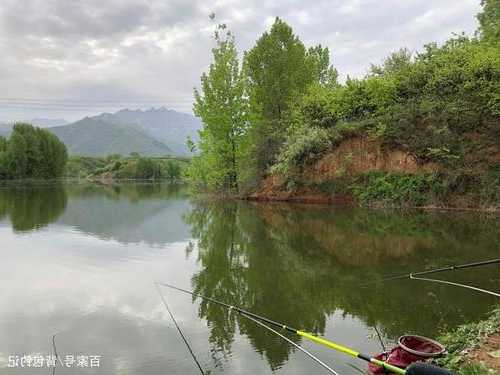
[(361, 171), (352, 157)]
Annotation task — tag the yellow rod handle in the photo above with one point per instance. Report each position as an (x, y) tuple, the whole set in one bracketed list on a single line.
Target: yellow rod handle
[(328, 343)]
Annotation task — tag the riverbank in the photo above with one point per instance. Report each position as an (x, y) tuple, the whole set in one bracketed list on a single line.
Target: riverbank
[(361, 171), (474, 348)]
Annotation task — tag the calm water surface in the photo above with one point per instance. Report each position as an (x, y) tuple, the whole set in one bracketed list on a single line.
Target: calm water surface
[(80, 260)]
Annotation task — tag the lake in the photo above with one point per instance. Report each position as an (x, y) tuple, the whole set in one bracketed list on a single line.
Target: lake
[(79, 261)]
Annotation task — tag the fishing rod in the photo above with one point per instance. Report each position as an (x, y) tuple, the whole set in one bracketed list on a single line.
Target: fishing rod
[(180, 331), (306, 352), (442, 269), (412, 370)]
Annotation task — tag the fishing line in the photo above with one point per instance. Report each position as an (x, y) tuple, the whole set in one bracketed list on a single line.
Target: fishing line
[(316, 339), (380, 338), (179, 329), (305, 351), (443, 269), (412, 277)]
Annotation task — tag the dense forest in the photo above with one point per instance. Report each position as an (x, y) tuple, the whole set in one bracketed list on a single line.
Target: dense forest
[(31, 152), (280, 108)]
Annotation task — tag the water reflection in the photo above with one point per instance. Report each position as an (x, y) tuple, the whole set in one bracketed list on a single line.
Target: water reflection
[(127, 213), (88, 254), (32, 207), (299, 265)]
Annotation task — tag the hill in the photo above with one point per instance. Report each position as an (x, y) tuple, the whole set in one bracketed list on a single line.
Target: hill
[(48, 122), (94, 137), (167, 126)]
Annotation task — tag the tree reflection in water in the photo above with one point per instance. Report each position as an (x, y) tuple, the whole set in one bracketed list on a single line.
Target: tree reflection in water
[(32, 207), (299, 265)]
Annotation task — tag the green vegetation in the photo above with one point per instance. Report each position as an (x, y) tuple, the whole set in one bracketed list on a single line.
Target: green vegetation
[(222, 108), (466, 338), (282, 109), (31, 152), (395, 189), (132, 167)]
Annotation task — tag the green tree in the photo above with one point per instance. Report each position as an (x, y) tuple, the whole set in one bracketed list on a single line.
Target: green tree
[(32, 153), (147, 168), (395, 62), (280, 70), (3, 158), (17, 160), (277, 72), (173, 170), (489, 20), (322, 71), (222, 106)]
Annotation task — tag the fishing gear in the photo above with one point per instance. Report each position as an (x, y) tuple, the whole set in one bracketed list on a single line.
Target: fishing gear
[(442, 269), (180, 331), (306, 352), (308, 336), (414, 275)]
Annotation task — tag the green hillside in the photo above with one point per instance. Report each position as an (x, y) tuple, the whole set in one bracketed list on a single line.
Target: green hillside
[(92, 137)]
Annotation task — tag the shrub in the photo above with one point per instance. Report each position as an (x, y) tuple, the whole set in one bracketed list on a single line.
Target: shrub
[(395, 189), (301, 147)]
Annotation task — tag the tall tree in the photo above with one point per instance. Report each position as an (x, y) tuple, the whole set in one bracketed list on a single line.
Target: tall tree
[(222, 106), (489, 20), (280, 69), (32, 153), (3, 158)]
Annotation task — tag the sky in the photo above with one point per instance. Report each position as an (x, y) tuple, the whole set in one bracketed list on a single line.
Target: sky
[(68, 59)]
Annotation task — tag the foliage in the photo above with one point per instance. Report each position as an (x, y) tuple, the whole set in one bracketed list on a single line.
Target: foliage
[(83, 166), (300, 148), (118, 167), (395, 189), (31, 153), (222, 108), (489, 20), (280, 69), (440, 105), (465, 338)]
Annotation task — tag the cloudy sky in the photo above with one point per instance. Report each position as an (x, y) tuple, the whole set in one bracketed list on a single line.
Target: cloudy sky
[(63, 58)]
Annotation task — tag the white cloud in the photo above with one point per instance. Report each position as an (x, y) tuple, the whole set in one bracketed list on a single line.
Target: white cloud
[(153, 49)]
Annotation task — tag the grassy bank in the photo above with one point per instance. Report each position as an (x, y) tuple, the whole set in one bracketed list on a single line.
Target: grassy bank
[(471, 346)]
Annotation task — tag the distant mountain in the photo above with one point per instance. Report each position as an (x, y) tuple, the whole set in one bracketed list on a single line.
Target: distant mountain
[(167, 126), (94, 137), (48, 122)]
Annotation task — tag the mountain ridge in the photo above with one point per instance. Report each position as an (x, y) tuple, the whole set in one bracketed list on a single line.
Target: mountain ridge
[(166, 125), (93, 137)]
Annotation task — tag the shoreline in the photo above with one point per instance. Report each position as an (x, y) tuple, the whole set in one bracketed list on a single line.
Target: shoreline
[(309, 198), (473, 346), (349, 201)]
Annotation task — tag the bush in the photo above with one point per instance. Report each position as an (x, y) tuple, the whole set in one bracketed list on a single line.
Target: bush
[(395, 189), (303, 146)]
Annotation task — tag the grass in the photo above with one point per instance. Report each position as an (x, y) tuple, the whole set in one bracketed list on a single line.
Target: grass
[(466, 338)]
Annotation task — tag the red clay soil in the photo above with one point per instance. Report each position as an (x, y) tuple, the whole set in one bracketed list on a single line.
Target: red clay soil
[(363, 154), (272, 189), (481, 354), (353, 156)]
